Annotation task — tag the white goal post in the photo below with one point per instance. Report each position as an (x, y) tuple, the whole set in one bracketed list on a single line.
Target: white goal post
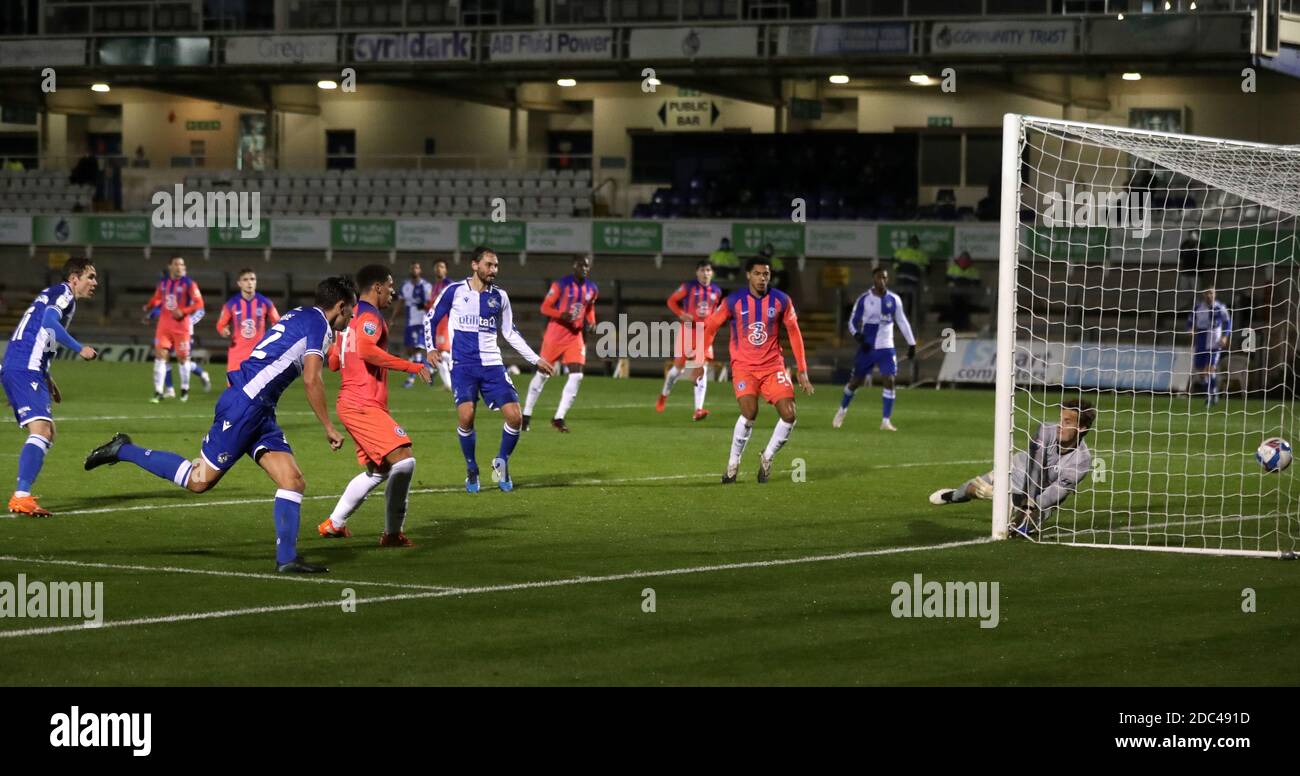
[(1155, 276)]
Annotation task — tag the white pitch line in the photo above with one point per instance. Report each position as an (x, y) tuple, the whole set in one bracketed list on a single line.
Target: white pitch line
[(218, 573), (568, 582), (457, 489)]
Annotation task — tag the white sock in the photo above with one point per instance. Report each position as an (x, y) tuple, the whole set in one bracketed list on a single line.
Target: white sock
[(701, 388), (739, 439), (779, 436), (397, 493), (353, 495), (187, 369), (570, 393), (159, 374), (444, 369), (670, 379), (534, 391)]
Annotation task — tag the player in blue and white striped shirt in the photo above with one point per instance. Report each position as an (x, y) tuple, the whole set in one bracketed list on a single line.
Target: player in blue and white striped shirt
[(872, 324), (25, 373), (478, 310), (1211, 325), (245, 422)]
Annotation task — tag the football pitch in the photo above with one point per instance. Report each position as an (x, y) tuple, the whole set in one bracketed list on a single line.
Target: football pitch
[(791, 582)]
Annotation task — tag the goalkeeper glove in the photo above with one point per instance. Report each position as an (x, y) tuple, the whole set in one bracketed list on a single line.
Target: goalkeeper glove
[(911, 352)]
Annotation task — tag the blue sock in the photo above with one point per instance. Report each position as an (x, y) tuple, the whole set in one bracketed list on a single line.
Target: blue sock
[(1212, 386), (888, 401), (159, 463), (30, 461), (288, 513), (846, 398), (198, 370), (509, 438), (168, 380), (468, 439)]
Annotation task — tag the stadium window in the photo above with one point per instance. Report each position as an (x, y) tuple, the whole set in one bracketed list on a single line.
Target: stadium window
[(340, 149), (983, 158), (941, 160)]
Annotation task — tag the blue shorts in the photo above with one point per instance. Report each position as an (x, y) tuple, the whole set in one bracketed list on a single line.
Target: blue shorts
[(242, 427), (28, 395), (493, 382), (414, 337), (882, 358), (1205, 358)]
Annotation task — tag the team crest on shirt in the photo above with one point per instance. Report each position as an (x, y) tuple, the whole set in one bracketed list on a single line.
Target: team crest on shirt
[(223, 459), (370, 328), (757, 333), (248, 328), (493, 303), (399, 431), (771, 312)]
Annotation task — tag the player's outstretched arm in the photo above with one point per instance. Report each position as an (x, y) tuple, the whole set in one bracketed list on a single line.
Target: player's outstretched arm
[(855, 327), (54, 324), (516, 339), (195, 301), (551, 304), (370, 352), (675, 304), (223, 322), (791, 322), (312, 364), (905, 326), (711, 326)]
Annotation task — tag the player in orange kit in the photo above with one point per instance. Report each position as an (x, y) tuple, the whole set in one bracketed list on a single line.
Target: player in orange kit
[(571, 306), (382, 445), (441, 359), (178, 297), (245, 317), (692, 303), (757, 363)]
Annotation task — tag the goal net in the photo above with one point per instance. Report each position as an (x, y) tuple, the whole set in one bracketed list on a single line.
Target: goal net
[(1110, 240)]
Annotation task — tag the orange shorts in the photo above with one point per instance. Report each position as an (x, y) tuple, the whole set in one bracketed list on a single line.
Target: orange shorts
[(173, 340), (772, 384), (571, 351), (374, 431), (685, 344)]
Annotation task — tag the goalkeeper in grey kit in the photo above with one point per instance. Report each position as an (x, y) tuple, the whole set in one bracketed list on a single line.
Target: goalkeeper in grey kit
[(1043, 476)]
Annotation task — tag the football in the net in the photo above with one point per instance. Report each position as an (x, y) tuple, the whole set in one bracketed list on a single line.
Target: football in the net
[(1274, 454)]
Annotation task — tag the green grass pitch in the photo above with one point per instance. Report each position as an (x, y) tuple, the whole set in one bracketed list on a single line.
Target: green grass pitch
[(545, 585)]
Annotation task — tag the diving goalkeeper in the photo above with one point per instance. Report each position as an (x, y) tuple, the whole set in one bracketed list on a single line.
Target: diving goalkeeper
[(1042, 477)]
